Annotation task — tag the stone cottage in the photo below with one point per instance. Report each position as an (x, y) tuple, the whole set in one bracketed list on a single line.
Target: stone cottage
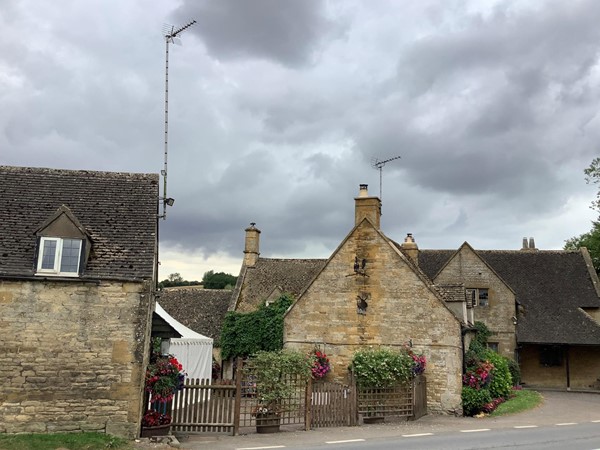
[(542, 307), (368, 293), (77, 266)]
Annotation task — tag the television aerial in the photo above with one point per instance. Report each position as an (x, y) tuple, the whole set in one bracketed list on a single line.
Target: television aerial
[(171, 36), (377, 164)]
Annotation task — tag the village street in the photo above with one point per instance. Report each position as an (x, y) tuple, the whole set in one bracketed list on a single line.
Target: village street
[(560, 414)]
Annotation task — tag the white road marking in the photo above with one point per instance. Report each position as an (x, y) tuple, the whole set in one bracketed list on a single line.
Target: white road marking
[(260, 448), (565, 424), (475, 431), (344, 442), (417, 435), (595, 421), (526, 426)]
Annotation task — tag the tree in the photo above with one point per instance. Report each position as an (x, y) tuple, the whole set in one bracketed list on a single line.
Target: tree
[(591, 239), (219, 280), (175, 279)]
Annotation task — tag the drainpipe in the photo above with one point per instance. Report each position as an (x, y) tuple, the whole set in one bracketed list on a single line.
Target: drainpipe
[(568, 372)]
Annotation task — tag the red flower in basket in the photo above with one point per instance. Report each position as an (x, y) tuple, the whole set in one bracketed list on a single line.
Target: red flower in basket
[(321, 365)]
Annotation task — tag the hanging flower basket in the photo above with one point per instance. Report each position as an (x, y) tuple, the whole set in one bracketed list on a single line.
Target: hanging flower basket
[(164, 377)]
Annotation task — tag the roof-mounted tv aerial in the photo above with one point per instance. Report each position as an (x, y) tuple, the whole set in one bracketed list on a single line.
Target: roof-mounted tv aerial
[(379, 165), (171, 36)]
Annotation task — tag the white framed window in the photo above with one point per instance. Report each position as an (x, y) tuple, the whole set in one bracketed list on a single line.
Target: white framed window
[(58, 256)]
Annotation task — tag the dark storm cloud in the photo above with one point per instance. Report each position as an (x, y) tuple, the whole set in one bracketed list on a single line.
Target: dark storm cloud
[(278, 107), (286, 32)]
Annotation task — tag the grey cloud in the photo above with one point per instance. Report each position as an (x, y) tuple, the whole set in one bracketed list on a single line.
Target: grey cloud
[(287, 32)]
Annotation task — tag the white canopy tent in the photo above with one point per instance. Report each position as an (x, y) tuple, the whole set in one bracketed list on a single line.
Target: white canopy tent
[(192, 350)]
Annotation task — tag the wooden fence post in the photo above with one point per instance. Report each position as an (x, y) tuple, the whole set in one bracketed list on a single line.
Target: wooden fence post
[(308, 405), (238, 397)]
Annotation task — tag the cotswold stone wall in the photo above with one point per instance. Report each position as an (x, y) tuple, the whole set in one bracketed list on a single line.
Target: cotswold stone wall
[(466, 267), (584, 368), (72, 355), (401, 308)]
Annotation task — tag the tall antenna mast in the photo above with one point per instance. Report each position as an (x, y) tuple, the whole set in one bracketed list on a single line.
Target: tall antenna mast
[(379, 165), (171, 37)]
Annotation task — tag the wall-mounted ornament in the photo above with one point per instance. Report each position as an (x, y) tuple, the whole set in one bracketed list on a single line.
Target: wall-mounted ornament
[(359, 267), (361, 302)]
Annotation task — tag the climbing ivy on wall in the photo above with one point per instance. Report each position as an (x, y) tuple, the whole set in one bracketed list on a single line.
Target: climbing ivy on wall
[(244, 334)]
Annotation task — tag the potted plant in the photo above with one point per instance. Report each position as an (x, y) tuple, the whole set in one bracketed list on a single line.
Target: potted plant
[(155, 424), (270, 372), (164, 377)]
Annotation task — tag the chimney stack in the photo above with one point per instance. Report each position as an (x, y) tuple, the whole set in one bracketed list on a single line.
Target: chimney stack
[(367, 207), (251, 245), (528, 244), (410, 247)]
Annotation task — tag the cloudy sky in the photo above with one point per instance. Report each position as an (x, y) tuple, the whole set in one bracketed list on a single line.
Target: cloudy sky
[(278, 108)]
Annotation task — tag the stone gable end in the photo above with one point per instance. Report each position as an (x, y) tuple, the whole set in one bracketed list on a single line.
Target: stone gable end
[(469, 269), (401, 308)]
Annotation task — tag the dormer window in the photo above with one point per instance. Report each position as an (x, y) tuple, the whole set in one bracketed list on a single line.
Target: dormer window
[(59, 256), (63, 245)]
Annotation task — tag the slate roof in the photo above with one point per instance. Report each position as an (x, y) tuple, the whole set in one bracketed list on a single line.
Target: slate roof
[(118, 210), (550, 287), (202, 310), (289, 275)]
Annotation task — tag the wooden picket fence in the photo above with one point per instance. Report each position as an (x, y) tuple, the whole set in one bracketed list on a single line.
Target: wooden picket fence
[(205, 406)]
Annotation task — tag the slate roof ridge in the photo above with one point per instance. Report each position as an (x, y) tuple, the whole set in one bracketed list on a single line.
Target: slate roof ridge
[(95, 173)]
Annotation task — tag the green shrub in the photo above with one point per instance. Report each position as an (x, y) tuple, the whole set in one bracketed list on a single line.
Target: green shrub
[(473, 400), (501, 383), (515, 372), (382, 367), (271, 372)]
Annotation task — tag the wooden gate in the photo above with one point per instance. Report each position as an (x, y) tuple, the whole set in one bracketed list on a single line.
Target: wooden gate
[(333, 405), (419, 397), (202, 406)]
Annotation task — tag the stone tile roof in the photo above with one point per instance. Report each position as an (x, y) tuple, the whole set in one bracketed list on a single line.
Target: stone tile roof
[(202, 310), (118, 210), (550, 286), (289, 275)]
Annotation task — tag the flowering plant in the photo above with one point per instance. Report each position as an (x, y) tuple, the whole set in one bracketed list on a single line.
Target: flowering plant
[(321, 365), (163, 378), (419, 361), (154, 418), (480, 376)]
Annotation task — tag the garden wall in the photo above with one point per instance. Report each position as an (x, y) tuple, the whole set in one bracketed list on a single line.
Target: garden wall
[(73, 355)]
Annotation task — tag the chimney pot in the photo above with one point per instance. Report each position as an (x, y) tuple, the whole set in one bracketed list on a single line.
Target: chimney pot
[(525, 246), (364, 190), (531, 244)]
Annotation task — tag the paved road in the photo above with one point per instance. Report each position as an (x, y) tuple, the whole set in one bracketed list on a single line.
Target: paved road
[(559, 411)]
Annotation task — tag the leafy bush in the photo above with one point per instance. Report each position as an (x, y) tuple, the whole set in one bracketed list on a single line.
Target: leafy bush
[(487, 373), (474, 400), (244, 334), (382, 367), (515, 372), (501, 383), (270, 371)]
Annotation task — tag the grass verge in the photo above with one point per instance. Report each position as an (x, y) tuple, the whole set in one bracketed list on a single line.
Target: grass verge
[(522, 401), (72, 441)]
